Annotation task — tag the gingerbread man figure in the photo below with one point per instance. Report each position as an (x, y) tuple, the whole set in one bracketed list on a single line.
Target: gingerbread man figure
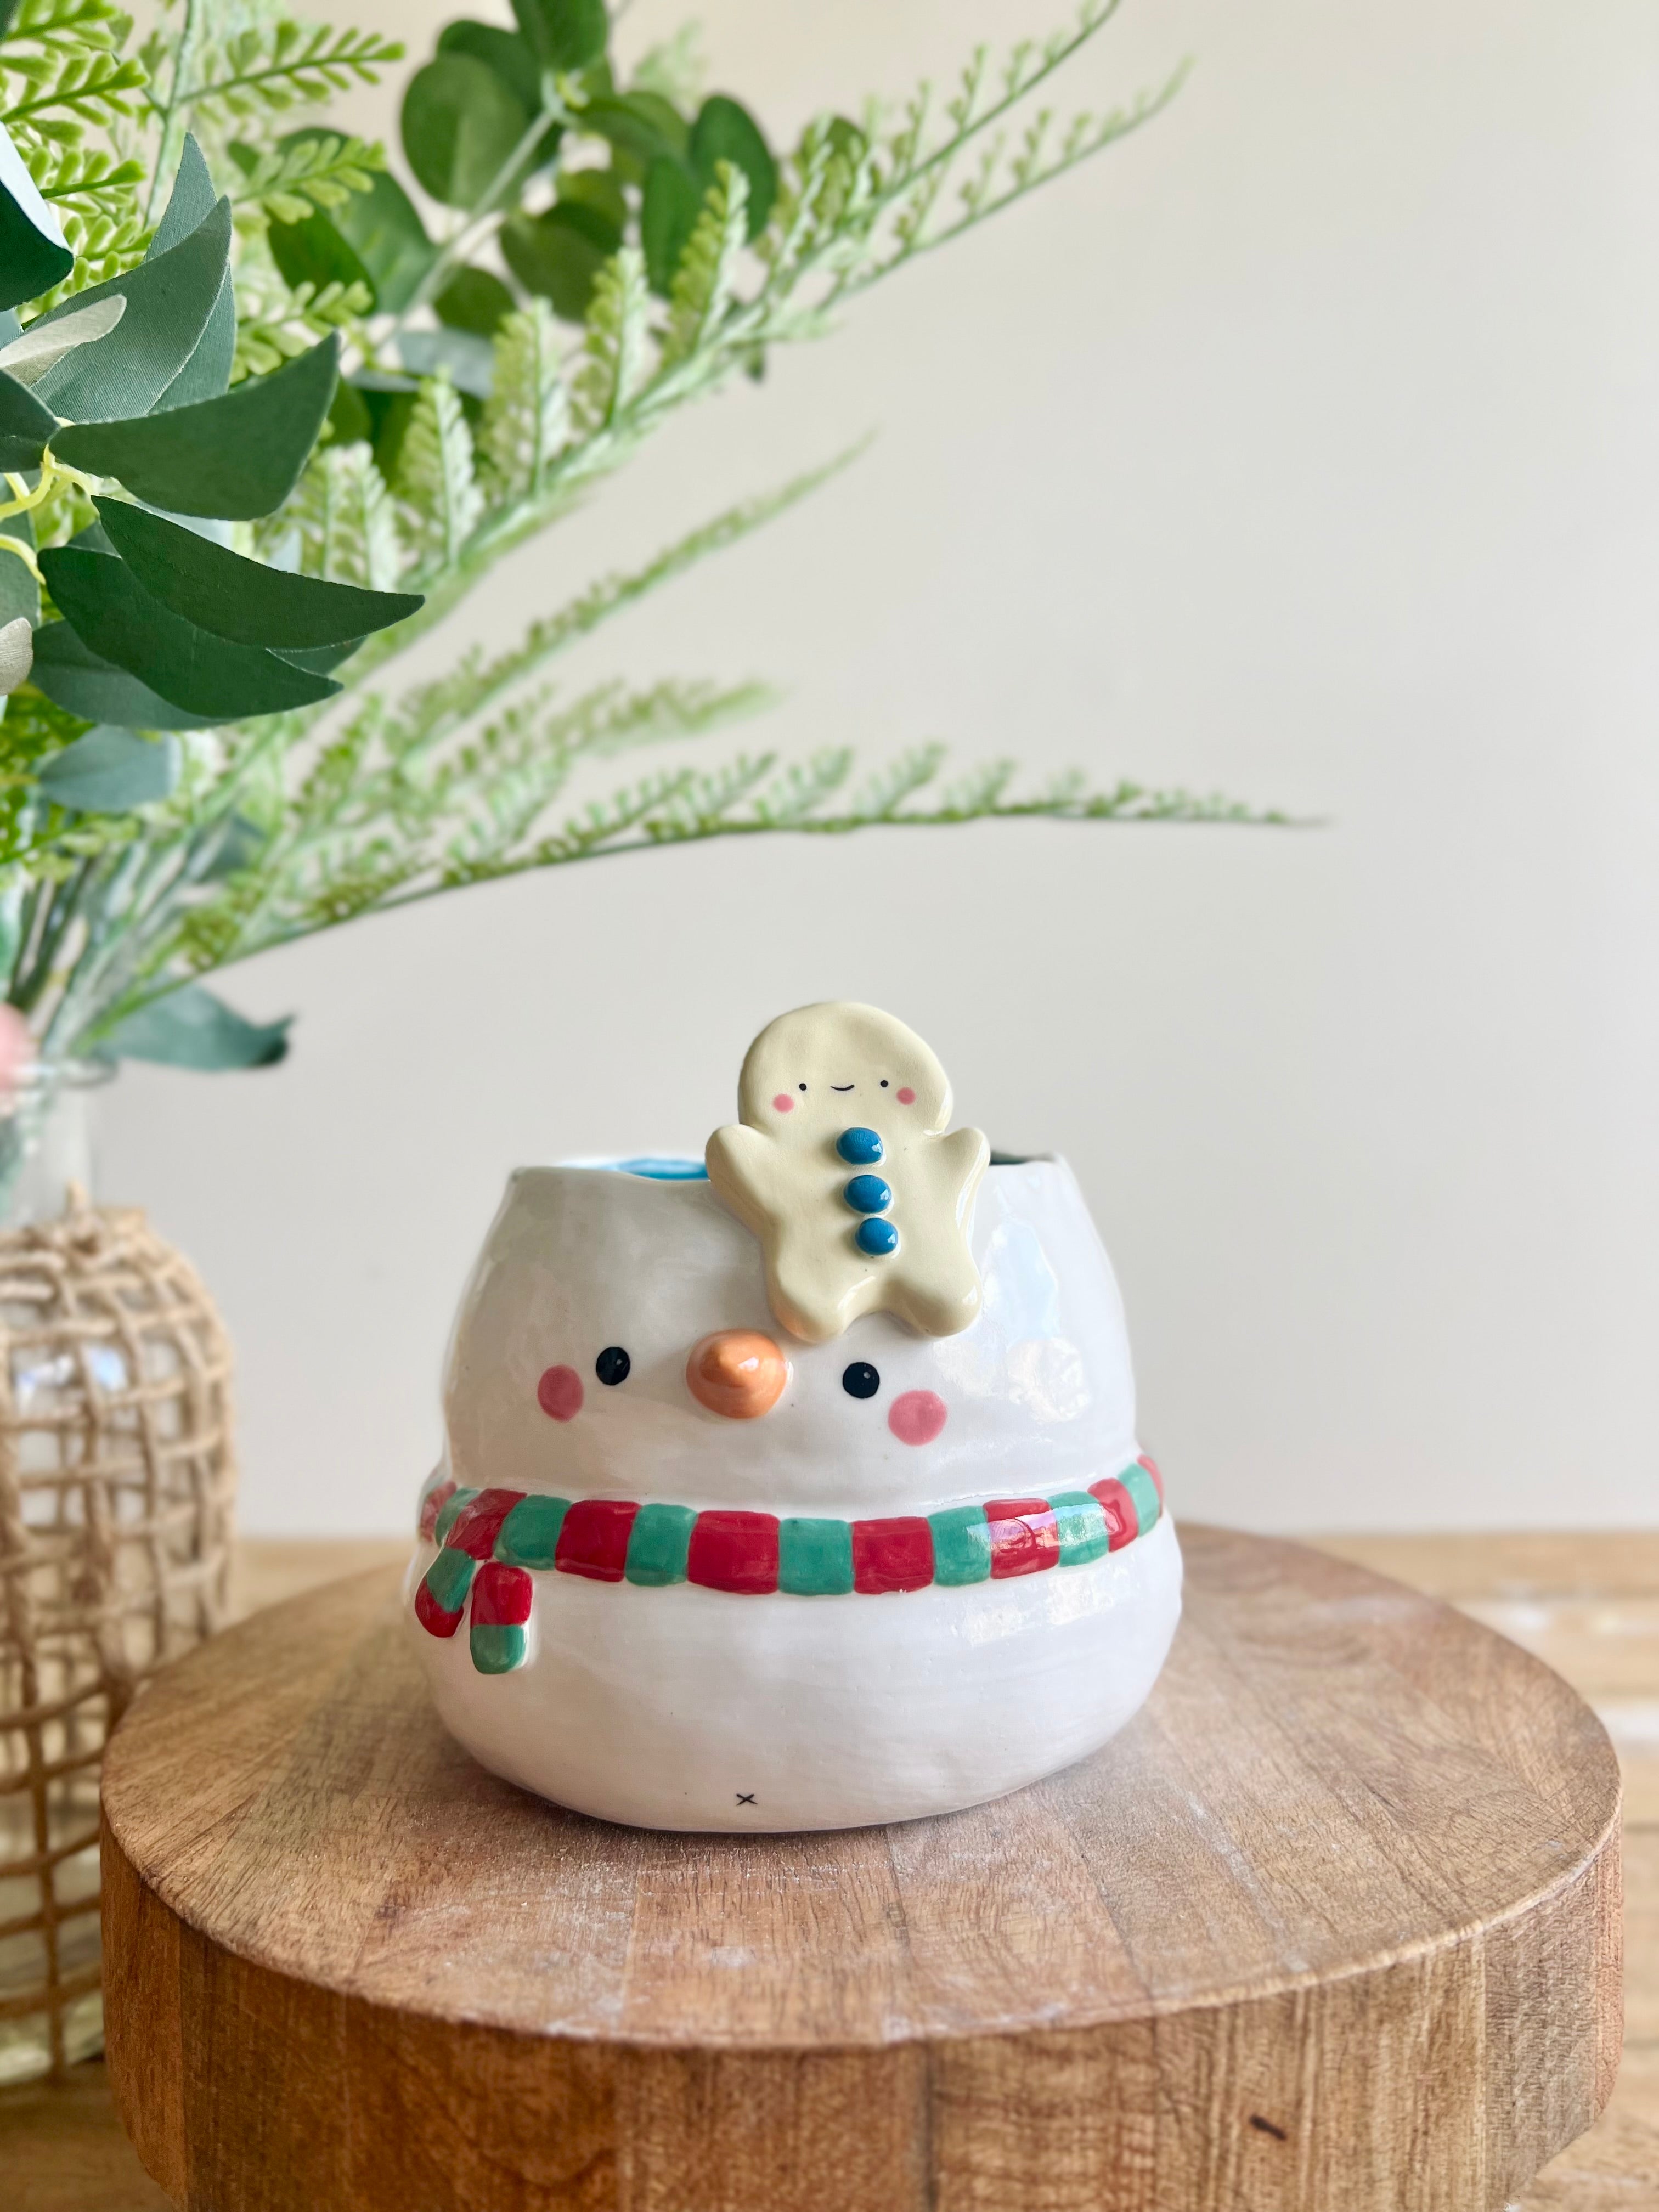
[(841, 1166)]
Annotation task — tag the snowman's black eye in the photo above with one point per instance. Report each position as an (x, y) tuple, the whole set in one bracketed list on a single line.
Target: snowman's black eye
[(803, 1086), (612, 1365), (883, 1083), (860, 1380)]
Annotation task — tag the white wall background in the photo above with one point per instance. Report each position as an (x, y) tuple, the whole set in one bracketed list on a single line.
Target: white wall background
[(1306, 447)]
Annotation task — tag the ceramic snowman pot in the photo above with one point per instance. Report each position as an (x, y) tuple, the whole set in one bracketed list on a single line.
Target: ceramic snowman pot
[(802, 1492)]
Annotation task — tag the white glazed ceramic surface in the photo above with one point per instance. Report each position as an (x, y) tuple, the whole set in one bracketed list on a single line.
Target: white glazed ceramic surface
[(688, 1707)]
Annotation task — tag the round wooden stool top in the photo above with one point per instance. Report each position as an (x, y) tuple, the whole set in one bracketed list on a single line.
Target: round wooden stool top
[(1331, 1927)]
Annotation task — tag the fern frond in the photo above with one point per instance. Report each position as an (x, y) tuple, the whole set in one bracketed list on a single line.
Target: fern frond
[(703, 802), (287, 182), (63, 23), (65, 173), (887, 790), (702, 285), (438, 499), (527, 418), (983, 787), (272, 67), (340, 515), (616, 350), (265, 342), (438, 708), (803, 788), (66, 92)]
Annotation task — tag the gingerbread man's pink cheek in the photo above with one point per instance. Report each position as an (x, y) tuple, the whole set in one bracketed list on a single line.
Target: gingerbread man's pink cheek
[(783, 1103), (559, 1393), (906, 1096), (917, 1416)]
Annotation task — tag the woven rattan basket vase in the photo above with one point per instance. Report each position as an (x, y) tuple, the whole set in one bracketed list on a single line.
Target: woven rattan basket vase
[(116, 1478)]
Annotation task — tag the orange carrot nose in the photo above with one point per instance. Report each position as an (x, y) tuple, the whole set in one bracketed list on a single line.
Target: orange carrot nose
[(738, 1372)]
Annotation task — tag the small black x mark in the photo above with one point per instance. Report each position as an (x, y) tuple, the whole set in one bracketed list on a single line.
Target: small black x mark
[(745, 1796)]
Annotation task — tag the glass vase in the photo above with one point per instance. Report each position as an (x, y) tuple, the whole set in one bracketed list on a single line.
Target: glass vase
[(47, 1140), (51, 1734)]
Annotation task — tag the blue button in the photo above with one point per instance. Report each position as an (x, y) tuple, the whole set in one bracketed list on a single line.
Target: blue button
[(868, 1194), (860, 1148), (877, 1238)]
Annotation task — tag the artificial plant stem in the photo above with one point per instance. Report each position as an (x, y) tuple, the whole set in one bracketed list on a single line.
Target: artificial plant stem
[(61, 915), (176, 112), (1126, 809), (501, 183), (117, 895), (1115, 129), (33, 906)]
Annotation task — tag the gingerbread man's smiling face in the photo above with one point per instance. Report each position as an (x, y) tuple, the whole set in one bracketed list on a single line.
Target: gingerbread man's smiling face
[(815, 1072)]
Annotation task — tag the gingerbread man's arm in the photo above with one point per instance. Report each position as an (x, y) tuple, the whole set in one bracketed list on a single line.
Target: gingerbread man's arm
[(748, 1173), (935, 1285), (962, 1158)]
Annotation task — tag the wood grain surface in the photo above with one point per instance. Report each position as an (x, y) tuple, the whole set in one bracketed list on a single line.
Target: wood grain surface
[(1335, 1922)]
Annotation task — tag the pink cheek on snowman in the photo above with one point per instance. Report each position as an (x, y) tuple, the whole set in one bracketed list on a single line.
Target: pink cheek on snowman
[(559, 1393), (783, 1103), (906, 1096), (916, 1417)]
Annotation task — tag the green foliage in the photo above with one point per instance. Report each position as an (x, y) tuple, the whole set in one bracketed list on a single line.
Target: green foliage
[(527, 418), (308, 170), (206, 762), (439, 492), (270, 68), (238, 455), (460, 125)]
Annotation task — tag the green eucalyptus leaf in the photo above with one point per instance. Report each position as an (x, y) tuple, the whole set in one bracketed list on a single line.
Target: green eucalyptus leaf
[(75, 677), (599, 189), (228, 596), (33, 254), (26, 426), (206, 373), (559, 254), (459, 125), (232, 457), (349, 421), (26, 355), (19, 592), (190, 1028), (470, 359), (17, 654), (170, 301), (384, 228), (563, 35), (724, 131), (393, 410), (321, 659), (473, 300), (110, 770), (641, 124), (205, 674), (504, 52), (190, 205), (314, 251), (668, 216)]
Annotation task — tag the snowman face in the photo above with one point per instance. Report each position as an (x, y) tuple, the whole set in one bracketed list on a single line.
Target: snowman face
[(615, 1341), (815, 1072)]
